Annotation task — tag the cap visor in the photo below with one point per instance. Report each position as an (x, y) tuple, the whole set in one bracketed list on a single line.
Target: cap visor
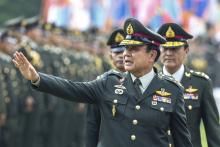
[(131, 42), (173, 44), (118, 49)]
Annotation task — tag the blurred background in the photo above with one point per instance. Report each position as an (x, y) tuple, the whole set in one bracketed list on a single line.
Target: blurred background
[(67, 38)]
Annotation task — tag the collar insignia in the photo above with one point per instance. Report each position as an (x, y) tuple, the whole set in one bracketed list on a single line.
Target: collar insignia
[(187, 74)]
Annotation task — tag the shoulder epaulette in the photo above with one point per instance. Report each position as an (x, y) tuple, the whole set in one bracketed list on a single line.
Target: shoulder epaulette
[(200, 74), (109, 73), (171, 79)]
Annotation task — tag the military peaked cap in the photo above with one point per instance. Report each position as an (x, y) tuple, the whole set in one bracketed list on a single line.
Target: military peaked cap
[(137, 34), (115, 39), (175, 35)]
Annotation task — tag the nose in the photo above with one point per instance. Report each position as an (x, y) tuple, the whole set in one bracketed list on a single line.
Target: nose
[(169, 52), (126, 53)]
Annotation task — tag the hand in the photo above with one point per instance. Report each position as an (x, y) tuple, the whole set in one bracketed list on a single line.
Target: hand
[(25, 67)]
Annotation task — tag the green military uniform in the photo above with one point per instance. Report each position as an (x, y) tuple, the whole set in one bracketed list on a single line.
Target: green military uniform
[(200, 104), (93, 119), (129, 120), (198, 94)]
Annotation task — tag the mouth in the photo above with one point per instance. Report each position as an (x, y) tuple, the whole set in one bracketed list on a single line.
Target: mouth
[(120, 61), (127, 62), (169, 60)]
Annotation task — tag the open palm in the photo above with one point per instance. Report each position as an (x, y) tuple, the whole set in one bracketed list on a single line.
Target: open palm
[(25, 67)]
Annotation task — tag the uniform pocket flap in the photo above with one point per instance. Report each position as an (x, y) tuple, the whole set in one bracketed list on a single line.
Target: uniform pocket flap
[(162, 107)]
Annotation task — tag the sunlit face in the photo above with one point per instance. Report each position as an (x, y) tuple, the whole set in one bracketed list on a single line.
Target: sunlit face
[(117, 60), (173, 57), (138, 61)]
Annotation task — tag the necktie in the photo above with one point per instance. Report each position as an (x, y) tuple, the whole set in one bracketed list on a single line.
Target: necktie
[(137, 83)]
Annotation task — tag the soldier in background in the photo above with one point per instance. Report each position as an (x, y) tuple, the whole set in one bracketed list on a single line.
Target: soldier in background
[(198, 95), (93, 119)]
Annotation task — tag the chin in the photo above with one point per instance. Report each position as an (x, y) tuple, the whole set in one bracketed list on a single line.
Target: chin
[(128, 68)]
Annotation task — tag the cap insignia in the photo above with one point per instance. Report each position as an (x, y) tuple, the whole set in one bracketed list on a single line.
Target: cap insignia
[(130, 29), (170, 33), (119, 37)]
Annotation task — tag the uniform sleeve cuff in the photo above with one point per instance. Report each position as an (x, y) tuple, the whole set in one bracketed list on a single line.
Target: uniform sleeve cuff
[(36, 83)]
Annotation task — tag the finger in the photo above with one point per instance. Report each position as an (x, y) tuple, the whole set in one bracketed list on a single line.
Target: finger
[(15, 63), (20, 56), (24, 59), (16, 58), (20, 61), (14, 54)]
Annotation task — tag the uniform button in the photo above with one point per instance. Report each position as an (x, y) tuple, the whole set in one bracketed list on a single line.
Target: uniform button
[(115, 101), (168, 132), (190, 107), (161, 109), (135, 122), (170, 145), (138, 107), (133, 137)]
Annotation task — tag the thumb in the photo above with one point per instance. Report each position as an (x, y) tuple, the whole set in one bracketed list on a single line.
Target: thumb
[(34, 74)]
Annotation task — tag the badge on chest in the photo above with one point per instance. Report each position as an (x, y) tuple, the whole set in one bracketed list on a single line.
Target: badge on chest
[(161, 96), (191, 93)]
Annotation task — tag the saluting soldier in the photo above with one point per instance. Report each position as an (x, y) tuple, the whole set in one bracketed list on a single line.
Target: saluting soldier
[(136, 109), (198, 96), (93, 119)]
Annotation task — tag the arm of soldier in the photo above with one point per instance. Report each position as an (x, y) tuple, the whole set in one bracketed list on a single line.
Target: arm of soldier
[(74, 91), (84, 92), (210, 116), (179, 130), (93, 121)]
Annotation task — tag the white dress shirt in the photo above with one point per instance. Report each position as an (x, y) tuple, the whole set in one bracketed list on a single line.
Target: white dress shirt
[(145, 80), (178, 75)]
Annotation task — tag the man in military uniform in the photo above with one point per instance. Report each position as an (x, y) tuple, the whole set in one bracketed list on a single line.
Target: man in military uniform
[(93, 113), (198, 96), (136, 109)]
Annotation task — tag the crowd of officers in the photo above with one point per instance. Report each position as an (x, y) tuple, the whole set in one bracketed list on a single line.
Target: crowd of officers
[(32, 119)]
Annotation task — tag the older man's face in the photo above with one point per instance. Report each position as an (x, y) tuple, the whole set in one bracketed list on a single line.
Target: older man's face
[(173, 57), (137, 60)]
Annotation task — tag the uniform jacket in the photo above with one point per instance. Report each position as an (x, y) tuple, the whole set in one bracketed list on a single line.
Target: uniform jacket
[(128, 120), (200, 105)]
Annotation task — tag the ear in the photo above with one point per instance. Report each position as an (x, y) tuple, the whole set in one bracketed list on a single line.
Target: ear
[(187, 50), (153, 55)]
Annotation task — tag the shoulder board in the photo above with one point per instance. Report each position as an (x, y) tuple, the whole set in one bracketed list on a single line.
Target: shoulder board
[(110, 73), (200, 74), (171, 79)]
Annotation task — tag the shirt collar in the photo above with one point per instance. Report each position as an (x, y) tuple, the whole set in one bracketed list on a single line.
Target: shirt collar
[(177, 75), (146, 79)]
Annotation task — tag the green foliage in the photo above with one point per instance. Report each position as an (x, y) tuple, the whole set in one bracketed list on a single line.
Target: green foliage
[(14, 8)]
